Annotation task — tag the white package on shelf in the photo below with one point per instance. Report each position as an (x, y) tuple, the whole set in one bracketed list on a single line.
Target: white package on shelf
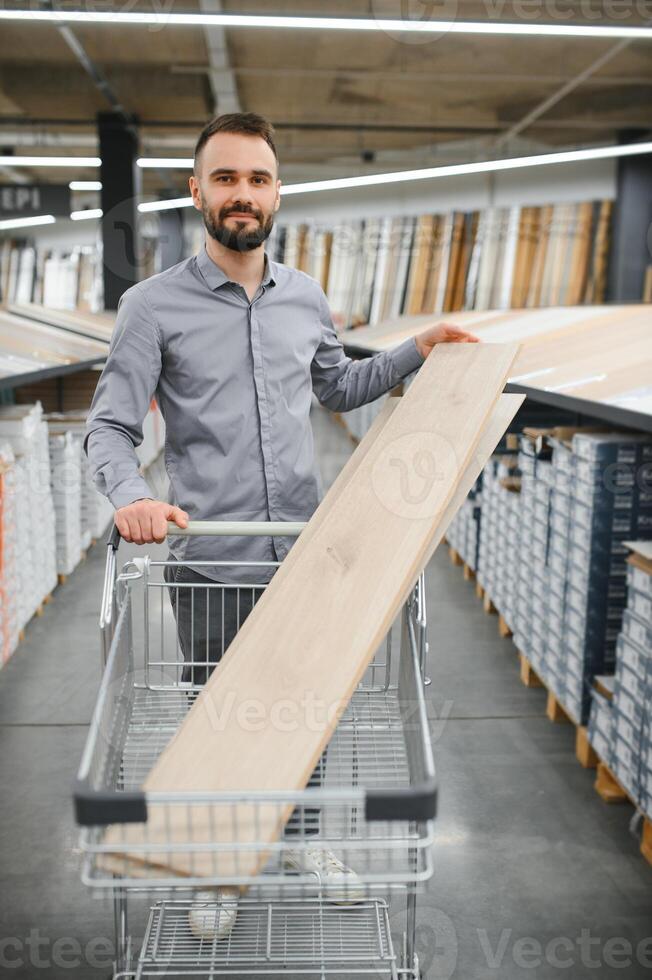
[(24, 428), (96, 510), (65, 460), (9, 593)]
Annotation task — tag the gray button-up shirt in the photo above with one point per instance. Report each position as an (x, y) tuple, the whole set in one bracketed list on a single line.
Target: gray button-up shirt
[(233, 379)]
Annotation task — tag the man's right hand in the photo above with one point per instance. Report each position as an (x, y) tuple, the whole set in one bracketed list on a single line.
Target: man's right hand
[(146, 520)]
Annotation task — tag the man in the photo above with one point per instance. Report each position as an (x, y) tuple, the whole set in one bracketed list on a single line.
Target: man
[(232, 345)]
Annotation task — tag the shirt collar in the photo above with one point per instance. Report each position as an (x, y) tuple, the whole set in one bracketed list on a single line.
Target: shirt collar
[(216, 277)]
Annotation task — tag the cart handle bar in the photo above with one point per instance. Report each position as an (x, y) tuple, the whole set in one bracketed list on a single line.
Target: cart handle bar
[(248, 528)]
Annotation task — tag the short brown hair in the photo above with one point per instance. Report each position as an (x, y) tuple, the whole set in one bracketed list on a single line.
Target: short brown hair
[(249, 123)]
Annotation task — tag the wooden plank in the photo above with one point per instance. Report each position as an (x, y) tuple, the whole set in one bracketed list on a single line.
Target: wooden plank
[(501, 417), (349, 577)]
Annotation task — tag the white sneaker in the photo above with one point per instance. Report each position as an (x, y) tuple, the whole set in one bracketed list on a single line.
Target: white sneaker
[(213, 913), (341, 885)]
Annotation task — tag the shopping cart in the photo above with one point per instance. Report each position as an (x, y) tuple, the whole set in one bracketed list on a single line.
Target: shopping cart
[(375, 794)]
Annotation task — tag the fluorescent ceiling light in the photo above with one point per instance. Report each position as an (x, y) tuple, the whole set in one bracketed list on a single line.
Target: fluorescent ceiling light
[(161, 163), (88, 213), (482, 167), (39, 219), (453, 170), (387, 25), (428, 173), (85, 185), (177, 202), (10, 161)]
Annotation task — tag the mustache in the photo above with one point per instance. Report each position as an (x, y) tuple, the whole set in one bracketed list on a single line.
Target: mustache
[(243, 210)]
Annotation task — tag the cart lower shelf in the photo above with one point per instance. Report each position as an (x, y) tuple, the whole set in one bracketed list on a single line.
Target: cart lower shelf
[(297, 939)]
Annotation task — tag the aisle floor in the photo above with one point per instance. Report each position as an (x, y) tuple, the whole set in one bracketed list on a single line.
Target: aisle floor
[(534, 875)]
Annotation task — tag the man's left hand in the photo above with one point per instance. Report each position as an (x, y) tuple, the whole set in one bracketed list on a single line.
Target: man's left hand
[(442, 333)]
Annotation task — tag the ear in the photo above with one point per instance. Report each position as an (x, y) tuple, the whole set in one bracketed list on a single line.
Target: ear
[(195, 192)]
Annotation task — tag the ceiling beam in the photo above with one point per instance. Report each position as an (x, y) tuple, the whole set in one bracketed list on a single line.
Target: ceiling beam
[(361, 74), (531, 117), (224, 88)]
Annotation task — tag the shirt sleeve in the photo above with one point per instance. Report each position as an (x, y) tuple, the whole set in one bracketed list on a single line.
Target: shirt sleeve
[(342, 383), (121, 401)]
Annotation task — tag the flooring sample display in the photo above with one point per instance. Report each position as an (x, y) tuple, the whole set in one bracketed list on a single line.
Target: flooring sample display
[(314, 631), (97, 326), (27, 346), (597, 353)]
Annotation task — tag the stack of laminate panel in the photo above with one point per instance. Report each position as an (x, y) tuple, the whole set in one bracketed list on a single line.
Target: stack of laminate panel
[(531, 595), (24, 428), (65, 463), (9, 619), (96, 510), (463, 534), (620, 727), (607, 506), (552, 557), (499, 534)]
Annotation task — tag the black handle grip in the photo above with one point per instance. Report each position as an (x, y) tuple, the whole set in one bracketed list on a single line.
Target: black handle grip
[(114, 538)]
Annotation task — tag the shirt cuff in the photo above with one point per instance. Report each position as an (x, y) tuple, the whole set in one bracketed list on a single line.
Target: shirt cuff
[(130, 491), (406, 357)]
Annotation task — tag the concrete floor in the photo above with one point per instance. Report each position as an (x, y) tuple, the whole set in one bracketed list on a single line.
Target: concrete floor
[(534, 875)]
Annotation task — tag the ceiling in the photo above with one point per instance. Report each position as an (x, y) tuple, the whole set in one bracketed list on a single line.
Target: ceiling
[(343, 103)]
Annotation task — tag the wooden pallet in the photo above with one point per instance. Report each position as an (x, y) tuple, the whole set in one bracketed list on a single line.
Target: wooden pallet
[(584, 751), (503, 628), (528, 674), (488, 605), (469, 574), (556, 711), (455, 557), (40, 609)]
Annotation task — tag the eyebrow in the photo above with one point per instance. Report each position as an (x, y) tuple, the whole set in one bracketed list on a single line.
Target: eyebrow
[(230, 170)]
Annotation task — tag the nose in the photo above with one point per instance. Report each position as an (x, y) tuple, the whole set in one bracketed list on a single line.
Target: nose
[(242, 193)]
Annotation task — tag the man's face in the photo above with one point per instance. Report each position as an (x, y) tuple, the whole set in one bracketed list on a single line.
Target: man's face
[(237, 190)]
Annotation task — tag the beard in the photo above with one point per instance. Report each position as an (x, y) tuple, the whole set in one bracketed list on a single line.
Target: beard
[(244, 237)]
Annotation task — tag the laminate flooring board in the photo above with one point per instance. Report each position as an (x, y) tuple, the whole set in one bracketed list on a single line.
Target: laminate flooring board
[(314, 631)]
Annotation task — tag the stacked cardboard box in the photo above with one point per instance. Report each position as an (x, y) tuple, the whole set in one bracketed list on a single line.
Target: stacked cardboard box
[(635, 689), (65, 462), (463, 534), (552, 556), (9, 618), (96, 510), (620, 727), (24, 428), (499, 538)]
